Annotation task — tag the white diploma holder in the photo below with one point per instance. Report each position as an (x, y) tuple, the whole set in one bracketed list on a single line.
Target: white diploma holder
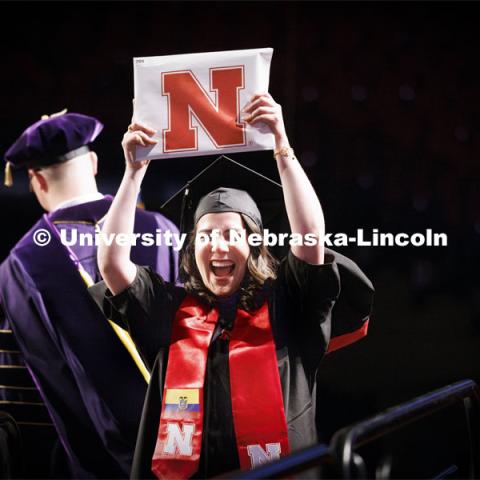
[(195, 102)]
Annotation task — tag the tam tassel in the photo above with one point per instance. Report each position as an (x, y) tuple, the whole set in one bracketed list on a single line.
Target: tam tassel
[(8, 182)]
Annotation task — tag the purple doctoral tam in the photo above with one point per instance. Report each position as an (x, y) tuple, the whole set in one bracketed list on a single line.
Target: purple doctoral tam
[(56, 139)]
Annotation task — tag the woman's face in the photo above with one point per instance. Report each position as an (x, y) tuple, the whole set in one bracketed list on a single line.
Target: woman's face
[(221, 263)]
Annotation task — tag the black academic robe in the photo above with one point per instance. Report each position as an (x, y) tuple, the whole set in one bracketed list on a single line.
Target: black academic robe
[(308, 306)]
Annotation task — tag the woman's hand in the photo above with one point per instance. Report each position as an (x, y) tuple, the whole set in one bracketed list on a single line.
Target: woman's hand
[(137, 134), (263, 108)]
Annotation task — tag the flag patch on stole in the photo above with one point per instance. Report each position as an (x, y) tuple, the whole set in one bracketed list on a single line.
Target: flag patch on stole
[(182, 399)]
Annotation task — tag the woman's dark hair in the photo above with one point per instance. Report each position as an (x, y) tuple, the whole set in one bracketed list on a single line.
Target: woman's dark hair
[(261, 266)]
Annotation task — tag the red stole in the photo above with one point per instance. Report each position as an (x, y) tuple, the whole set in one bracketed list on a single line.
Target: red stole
[(257, 405)]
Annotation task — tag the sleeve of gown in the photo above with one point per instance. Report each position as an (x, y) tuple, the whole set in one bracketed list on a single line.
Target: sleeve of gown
[(352, 310), (145, 309), (329, 303)]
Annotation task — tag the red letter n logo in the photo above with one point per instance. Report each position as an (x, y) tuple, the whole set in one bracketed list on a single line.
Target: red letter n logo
[(220, 120)]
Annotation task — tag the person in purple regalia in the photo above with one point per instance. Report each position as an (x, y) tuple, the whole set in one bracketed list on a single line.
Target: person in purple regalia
[(76, 380)]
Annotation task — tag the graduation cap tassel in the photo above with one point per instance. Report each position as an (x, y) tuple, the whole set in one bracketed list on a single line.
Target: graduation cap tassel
[(184, 207), (8, 182)]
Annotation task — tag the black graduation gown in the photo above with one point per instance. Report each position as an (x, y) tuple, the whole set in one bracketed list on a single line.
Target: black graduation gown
[(303, 304)]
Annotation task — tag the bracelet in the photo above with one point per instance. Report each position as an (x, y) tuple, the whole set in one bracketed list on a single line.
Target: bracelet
[(284, 152)]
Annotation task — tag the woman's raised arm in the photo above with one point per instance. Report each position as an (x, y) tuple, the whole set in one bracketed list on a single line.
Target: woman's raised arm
[(304, 211), (114, 262)]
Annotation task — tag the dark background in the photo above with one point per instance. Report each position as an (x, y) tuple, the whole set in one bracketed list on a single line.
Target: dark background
[(381, 104)]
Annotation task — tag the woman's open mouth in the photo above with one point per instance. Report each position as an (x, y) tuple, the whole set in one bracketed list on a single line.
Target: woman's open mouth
[(222, 268)]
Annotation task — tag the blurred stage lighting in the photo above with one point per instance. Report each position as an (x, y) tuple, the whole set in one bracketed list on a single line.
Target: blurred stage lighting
[(359, 93), (406, 93)]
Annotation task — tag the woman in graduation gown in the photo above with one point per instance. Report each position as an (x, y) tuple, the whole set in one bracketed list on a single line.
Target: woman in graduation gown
[(234, 352)]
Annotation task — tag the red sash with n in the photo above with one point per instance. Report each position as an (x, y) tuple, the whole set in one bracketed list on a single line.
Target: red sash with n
[(257, 404)]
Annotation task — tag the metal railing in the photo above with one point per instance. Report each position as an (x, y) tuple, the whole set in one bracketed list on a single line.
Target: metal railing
[(341, 456), (294, 463), (346, 440)]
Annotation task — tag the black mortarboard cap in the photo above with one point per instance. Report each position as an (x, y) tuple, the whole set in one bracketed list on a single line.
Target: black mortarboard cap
[(225, 199), (53, 139), (210, 190)]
